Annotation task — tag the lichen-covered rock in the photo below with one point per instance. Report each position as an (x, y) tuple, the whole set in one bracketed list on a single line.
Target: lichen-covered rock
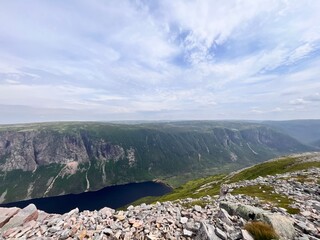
[(282, 225)]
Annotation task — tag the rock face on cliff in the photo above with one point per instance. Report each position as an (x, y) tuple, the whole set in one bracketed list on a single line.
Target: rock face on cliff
[(27, 150), (52, 159)]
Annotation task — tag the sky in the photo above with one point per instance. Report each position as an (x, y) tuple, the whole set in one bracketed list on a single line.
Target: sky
[(93, 60)]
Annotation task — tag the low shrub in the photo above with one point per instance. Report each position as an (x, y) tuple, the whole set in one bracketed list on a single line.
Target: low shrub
[(261, 231)]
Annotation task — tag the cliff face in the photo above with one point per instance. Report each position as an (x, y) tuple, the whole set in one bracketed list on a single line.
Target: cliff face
[(49, 160), (28, 150)]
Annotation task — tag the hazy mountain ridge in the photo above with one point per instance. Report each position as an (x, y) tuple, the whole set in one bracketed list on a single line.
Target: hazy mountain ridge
[(39, 160), (305, 131)]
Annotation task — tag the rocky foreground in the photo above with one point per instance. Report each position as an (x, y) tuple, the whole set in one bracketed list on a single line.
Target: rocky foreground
[(216, 217)]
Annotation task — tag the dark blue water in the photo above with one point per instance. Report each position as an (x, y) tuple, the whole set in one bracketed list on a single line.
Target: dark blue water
[(113, 197)]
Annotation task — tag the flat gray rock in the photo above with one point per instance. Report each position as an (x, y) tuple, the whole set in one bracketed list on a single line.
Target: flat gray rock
[(6, 214), (206, 232), (25, 215)]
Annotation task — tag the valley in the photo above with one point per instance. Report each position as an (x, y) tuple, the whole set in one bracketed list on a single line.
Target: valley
[(51, 159)]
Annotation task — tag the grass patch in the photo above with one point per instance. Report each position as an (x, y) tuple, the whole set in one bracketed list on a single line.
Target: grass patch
[(261, 231), (267, 194), (190, 189), (211, 185), (178, 180), (283, 165), (303, 179), (201, 203)]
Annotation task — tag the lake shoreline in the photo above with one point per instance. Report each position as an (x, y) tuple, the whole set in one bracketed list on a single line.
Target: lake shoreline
[(115, 197)]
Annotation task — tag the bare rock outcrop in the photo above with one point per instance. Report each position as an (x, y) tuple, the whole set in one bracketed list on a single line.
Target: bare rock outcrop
[(26, 150), (19, 217)]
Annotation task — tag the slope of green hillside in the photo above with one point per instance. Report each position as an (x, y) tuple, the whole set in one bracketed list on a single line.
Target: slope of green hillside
[(211, 185)]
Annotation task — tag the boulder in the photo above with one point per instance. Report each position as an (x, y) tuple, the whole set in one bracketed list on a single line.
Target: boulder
[(183, 220), (108, 212), (246, 235), (197, 208), (6, 214), (206, 232), (282, 225), (187, 233), (221, 234), (73, 211), (23, 216), (229, 207), (224, 216)]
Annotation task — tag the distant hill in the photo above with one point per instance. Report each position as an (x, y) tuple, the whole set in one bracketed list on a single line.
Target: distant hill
[(50, 159), (316, 143), (305, 131)]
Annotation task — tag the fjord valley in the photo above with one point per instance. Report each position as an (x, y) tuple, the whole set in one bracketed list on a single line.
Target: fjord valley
[(50, 159)]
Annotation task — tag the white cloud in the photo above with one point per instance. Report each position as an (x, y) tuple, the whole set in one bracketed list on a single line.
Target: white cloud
[(11, 81), (45, 96), (298, 101), (161, 58), (300, 52), (209, 23)]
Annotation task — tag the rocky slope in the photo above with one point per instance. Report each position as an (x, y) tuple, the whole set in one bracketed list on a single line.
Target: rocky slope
[(39, 160), (224, 216)]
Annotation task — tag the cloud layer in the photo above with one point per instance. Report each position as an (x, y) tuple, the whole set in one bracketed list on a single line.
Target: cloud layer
[(152, 60)]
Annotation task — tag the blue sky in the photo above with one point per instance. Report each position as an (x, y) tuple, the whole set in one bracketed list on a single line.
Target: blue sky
[(159, 60)]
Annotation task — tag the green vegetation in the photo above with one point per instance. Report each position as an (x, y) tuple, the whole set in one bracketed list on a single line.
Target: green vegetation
[(193, 189), (201, 203), (196, 189), (279, 166), (267, 194), (19, 183), (179, 180), (174, 152), (303, 179), (211, 185), (261, 231)]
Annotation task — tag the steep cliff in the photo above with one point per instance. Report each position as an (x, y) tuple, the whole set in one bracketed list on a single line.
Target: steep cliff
[(26, 150), (52, 159)]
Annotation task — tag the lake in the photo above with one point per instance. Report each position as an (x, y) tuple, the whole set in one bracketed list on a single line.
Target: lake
[(113, 197)]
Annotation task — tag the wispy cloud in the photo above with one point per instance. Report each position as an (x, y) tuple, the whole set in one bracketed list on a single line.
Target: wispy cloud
[(159, 59)]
